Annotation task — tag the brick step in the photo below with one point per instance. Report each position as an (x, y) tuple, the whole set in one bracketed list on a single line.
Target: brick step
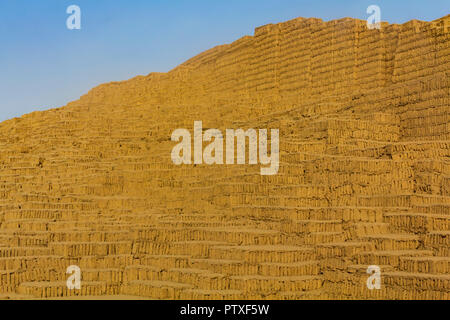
[(38, 214), (198, 278), (42, 238), (313, 238), (26, 224), (265, 285), (418, 281), (343, 291), (307, 226), (360, 229), (418, 222), (161, 290), (352, 275), (226, 267), (262, 253), (353, 283), (79, 249), (6, 252), (245, 236), (61, 226), (388, 257), (236, 267), (89, 236), (21, 240), (15, 278), (439, 242), (305, 190), (408, 200), (421, 264), (192, 217), (11, 279), (45, 290), (55, 262), (341, 249), (318, 294), (362, 269), (287, 213), (222, 295), (108, 275), (37, 262), (15, 296), (281, 201), (440, 209), (162, 261), (30, 205), (197, 224), (289, 269), (394, 241), (195, 249), (93, 225), (118, 297)]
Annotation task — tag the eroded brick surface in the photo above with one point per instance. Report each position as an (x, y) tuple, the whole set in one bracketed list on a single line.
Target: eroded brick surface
[(364, 175)]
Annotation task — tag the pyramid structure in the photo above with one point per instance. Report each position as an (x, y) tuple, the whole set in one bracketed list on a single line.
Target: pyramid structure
[(364, 174)]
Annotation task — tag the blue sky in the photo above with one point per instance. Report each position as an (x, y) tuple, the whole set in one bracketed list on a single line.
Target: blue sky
[(44, 65)]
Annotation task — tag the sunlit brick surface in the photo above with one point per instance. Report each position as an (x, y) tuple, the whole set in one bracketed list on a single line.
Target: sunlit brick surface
[(364, 175)]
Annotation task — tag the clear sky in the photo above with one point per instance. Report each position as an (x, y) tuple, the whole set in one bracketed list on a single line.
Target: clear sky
[(44, 65)]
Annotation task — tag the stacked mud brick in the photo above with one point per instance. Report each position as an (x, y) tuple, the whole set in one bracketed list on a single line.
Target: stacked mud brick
[(364, 179)]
